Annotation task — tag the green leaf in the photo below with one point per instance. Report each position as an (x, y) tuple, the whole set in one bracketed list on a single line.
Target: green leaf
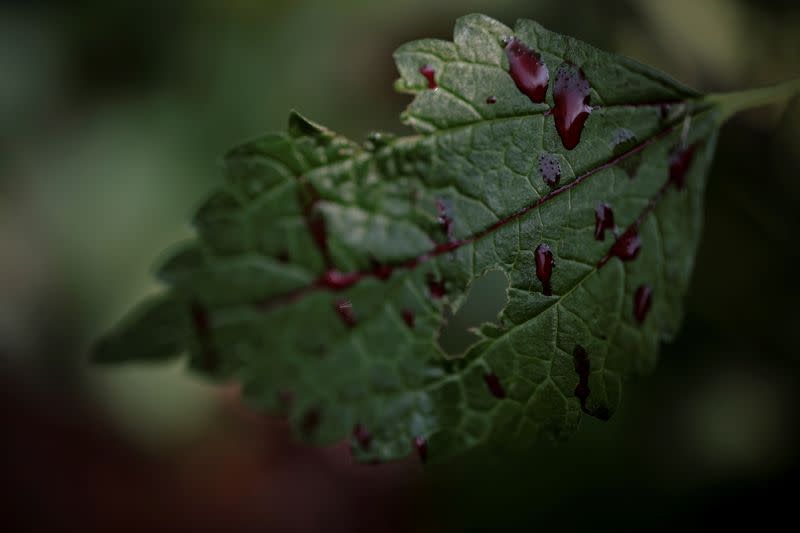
[(322, 267)]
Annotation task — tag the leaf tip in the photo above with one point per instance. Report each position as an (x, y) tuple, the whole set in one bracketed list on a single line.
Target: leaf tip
[(300, 126), (156, 330)]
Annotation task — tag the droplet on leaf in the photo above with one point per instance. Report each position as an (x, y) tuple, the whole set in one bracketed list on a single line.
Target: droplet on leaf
[(544, 267), (436, 287), (381, 271), (362, 436), (627, 246), (430, 74), (495, 387), (580, 359), (642, 300), (603, 220), (549, 169), (527, 70), (337, 281), (624, 142), (421, 445), (445, 220), (345, 310), (409, 318), (680, 160), (571, 97)]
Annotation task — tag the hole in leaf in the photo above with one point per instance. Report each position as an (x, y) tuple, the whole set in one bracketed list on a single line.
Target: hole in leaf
[(486, 298)]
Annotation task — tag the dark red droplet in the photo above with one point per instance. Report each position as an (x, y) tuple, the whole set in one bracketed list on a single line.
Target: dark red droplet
[(414, 262), (544, 267), (381, 271), (445, 220), (345, 310), (409, 318), (527, 70), (680, 160), (430, 74), (315, 222), (603, 220), (627, 246), (550, 169), (625, 143), (491, 100), (571, 97), (421, 446), (495, 387), (362, 436), (642, 299), (436, 287), (337, 281), (582, 367)]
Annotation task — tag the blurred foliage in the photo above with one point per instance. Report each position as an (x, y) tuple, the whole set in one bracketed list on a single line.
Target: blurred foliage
[(112, 119)]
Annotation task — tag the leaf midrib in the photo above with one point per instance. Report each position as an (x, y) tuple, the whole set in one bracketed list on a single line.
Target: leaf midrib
[(412, 263)]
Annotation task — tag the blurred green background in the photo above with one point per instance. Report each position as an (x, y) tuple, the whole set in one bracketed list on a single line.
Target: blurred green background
[(112, 118)]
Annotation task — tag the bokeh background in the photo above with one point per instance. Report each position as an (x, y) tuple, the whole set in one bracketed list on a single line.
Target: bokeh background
[(112, 119)]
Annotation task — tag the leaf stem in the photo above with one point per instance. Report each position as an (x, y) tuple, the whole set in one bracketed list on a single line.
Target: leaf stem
[(733, 103)]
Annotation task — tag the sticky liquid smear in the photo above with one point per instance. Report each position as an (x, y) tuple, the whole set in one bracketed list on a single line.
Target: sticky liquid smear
[(409, 318), (624, 141), (680, 161), (550, 169), (603, 220), (527, 70), (642, 300), (362, 436), (381, 271), (495, 387), (336, 280), (421, 445), (544, 267), (571, 97), (430, 74), (344, 308), (315, 222), (627, 246), (582, 367), (436, 287), (445, 220)]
